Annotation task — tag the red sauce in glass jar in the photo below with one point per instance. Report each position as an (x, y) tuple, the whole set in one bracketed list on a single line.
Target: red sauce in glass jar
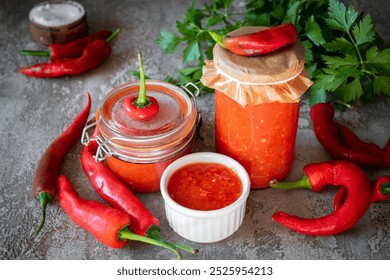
[(204, 186), (138, 151), (257, 107), (260, 137)]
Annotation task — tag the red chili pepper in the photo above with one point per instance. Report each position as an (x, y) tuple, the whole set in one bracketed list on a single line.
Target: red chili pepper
[(341, 143), (261, 42), (339, 198), (94, 54), (119, 196), (115, 193), (380, 192), (108, 225), (141, 107), (381, 189), (317, 177), (45, 177), (354, 142), (72, 49)]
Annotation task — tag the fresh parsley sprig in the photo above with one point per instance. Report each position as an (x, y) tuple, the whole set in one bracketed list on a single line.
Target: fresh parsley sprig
[(193, 34), (343, 55), (355, 68)]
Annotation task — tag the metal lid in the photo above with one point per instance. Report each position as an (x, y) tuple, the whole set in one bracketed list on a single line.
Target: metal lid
[(151, 140)]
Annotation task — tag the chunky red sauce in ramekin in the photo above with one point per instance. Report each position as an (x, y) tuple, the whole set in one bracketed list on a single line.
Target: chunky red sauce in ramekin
[(204, 186)]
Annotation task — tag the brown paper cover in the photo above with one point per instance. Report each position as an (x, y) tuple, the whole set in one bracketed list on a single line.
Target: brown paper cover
[(276, 77)]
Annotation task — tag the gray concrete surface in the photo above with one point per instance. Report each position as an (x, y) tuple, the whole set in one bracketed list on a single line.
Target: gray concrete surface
[(34, 111)]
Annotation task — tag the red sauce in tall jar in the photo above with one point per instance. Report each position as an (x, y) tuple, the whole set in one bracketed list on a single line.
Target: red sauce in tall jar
[(257, 107), (260, 137), (204, 186)]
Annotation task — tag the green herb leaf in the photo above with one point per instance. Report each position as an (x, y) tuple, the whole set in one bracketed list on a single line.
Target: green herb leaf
[(185, 30), (168, 42), (379, 60), (308, 52), (329, 79), (191, 52), (352, 90), (337, 62), (364, 31), (317, 95), (340, 18), (278, 12), (313, 31), (189, 70), (214, 20), (382, 85), (292, 12), (339, 44)]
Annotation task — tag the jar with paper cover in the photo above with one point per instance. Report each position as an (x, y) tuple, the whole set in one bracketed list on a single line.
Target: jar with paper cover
[(257, 102)]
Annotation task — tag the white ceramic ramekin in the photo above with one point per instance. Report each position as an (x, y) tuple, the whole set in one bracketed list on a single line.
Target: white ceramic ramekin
[(205, 226)]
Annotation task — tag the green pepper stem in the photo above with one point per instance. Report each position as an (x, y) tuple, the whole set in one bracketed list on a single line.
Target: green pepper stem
[(43, 198), (35, 53), (154, 233), (126, 234), (218, 38), (112, 36), (385, 188), (142, 100), (302, 183)]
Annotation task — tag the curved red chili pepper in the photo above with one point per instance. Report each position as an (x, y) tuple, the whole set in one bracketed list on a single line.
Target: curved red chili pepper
[(115, 193), (108, 225), (380, 192), (94, 54), (317, 177), (45, 177), (141, 107), (326, 131), (261, 42)]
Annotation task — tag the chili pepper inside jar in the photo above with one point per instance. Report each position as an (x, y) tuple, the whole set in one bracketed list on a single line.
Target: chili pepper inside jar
[(257, 102), (138, 151)]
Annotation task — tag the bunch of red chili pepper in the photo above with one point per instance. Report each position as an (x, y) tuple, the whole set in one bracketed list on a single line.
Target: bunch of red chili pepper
[(350, 203), (126, 219), (72, 58), (356, 192)]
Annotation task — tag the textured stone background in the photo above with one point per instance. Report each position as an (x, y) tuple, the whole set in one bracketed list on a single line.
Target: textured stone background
[(34, 111)]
